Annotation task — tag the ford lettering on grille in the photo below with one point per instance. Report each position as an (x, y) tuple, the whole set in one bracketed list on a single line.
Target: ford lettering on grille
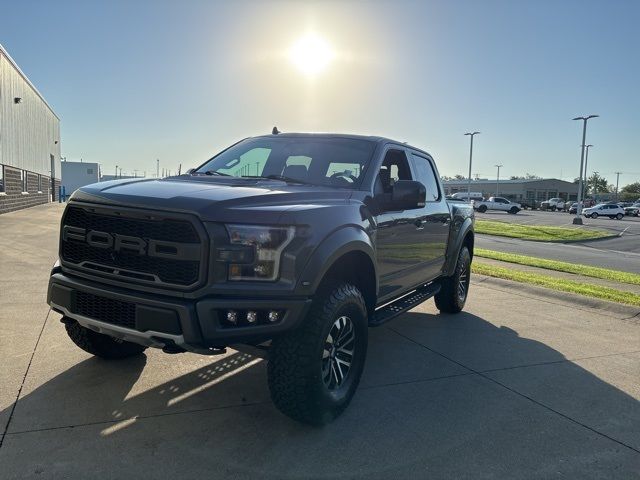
[(119, 243)]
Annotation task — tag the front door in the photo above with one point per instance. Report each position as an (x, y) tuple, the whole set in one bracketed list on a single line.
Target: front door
[(399, 233)]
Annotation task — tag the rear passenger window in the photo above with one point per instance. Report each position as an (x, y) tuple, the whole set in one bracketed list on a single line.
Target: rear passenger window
[(425, 174)]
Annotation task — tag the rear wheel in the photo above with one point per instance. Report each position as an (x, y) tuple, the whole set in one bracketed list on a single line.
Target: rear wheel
[(100, 345), (454, 289), (314, 371)]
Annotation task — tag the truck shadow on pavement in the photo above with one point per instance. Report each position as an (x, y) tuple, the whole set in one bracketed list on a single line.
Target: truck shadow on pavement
[(435, 387)]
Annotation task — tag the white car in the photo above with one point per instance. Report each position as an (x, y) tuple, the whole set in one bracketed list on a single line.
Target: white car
[(554, 204), (604, 210), (497, 203)]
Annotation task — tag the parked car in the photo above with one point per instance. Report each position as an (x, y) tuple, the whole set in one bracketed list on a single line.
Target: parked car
[(287, 260), (610, 210), (497, 203), (633, 210), (553, 204)]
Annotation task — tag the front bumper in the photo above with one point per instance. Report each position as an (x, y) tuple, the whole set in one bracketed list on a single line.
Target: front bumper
[(158, 321)]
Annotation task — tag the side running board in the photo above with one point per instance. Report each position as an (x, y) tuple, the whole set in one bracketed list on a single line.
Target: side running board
[(397, 307)]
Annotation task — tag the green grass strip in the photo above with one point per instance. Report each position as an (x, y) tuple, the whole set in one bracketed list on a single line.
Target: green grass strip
[(537, 232), (586, 270), (595, 291)]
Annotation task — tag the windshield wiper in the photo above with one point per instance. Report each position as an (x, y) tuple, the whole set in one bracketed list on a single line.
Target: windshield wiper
[(279, 177), (216, 173)]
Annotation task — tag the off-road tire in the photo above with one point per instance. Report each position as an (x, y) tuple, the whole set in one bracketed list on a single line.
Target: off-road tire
[(482, 208), (101, 345), (449, 299), (294, 371)]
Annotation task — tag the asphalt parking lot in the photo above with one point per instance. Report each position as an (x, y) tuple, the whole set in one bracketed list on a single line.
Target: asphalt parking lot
[(520, 385), (628, 225), (619, 253)]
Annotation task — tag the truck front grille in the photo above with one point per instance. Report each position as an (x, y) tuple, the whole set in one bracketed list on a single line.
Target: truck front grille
[(139, 249), (106, 309)]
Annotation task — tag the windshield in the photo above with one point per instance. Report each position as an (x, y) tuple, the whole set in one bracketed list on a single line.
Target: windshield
[(335, 162)]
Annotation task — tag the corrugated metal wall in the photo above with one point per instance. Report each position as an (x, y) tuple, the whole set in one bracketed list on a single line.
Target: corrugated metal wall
[(28, 130)]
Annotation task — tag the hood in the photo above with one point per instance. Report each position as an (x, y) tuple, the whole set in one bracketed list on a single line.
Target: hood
[(214, 198)]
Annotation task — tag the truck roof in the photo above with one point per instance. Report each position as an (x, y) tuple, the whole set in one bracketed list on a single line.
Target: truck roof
[(371, 138)]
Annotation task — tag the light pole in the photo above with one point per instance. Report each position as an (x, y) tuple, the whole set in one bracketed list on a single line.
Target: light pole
[(498, 177), (471, 134), (578, 218), (586, 177), (617, 181)]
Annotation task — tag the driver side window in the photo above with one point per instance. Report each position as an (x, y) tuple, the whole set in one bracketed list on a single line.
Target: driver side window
[(394, 167)]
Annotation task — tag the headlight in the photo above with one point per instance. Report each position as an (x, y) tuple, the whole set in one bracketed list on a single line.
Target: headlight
[(265, 245)]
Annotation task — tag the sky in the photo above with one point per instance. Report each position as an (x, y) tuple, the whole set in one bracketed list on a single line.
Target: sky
[(135, 81)]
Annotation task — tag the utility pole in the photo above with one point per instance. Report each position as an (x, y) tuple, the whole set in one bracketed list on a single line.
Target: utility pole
[(116, 172), (157, 167), (498, 178), (135, 174), (471, 134), (617, 181), (586, 177), (578, 218)]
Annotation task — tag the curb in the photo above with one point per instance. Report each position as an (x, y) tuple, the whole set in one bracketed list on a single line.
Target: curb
[(621, 310), (559, 242)]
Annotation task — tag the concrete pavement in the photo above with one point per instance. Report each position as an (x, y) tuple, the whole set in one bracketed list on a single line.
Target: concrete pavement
[(520, 385)]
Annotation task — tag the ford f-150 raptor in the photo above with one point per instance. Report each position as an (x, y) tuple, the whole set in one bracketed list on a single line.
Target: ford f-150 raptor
[(288, 246)]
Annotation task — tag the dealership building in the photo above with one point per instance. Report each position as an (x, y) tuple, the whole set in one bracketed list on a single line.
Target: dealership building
[(29, 141), (529, 190)]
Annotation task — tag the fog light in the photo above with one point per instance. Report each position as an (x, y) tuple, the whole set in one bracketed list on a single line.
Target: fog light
[(252, 317), (274, 316), (232, 316)]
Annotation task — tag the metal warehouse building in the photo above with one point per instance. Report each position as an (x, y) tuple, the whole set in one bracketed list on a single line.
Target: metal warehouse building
[(537, 189), (29, 141)]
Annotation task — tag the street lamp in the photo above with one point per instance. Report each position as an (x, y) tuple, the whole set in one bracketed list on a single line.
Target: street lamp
[(498, 178), (471, 134), (578, 218), (586, 176)]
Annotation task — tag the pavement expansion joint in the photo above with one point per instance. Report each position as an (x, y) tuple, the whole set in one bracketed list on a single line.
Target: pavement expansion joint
[(24, 378)]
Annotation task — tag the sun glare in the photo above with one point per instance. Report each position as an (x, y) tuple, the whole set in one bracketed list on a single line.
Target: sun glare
[(311, 54)]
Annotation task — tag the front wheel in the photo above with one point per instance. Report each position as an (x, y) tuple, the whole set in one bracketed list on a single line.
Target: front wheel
[(594, 215), (514, 210), (314, 371), (482, 208), (619, 216), (454, 289)]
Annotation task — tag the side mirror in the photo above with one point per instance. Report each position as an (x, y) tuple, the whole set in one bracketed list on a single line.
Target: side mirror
[(407, 195), (190, 171)]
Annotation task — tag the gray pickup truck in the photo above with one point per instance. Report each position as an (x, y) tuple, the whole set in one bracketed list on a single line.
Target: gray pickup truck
[(287, 246)]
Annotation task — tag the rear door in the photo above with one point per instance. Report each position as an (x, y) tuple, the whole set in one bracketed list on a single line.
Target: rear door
[(434, 220)]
